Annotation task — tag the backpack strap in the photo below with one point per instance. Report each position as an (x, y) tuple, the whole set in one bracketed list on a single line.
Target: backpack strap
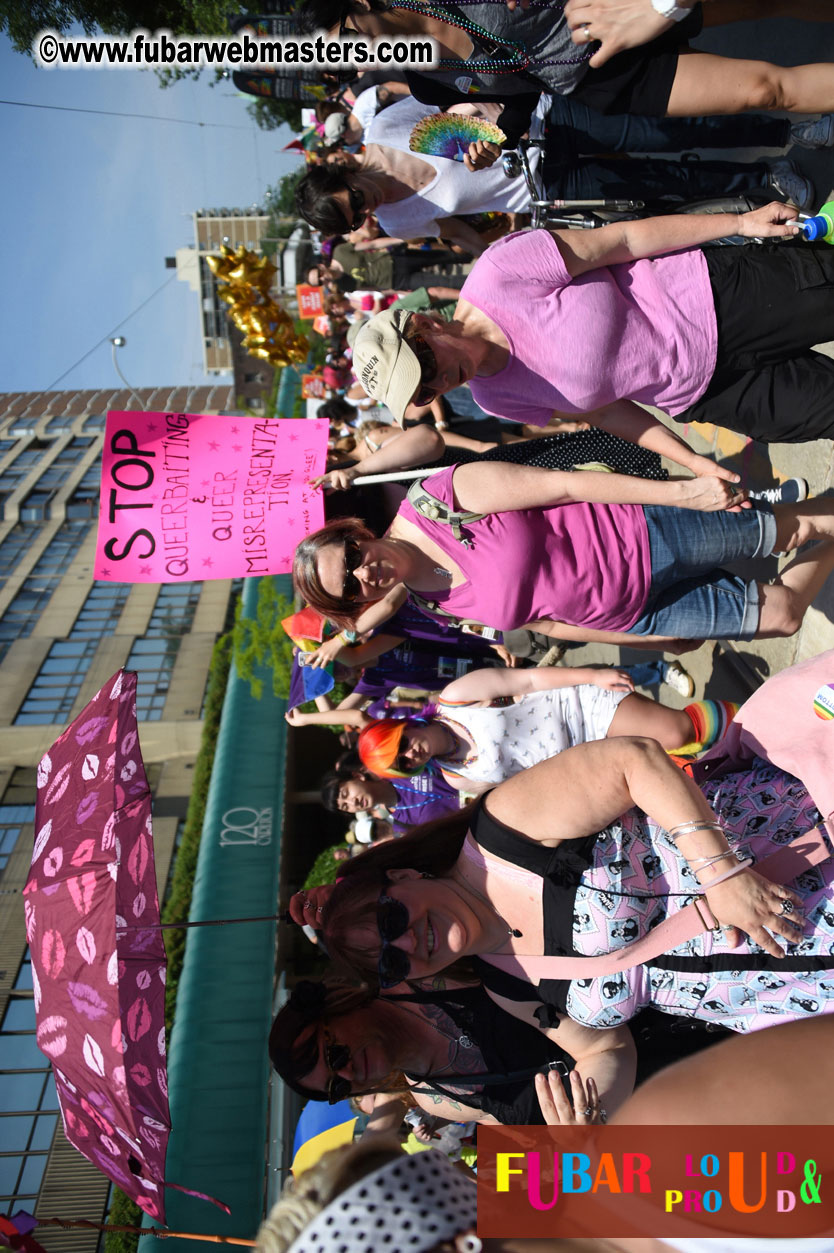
[(428, 506)]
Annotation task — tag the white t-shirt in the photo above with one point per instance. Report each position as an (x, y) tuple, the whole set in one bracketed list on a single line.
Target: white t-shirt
[(365, 106), (453, 191)]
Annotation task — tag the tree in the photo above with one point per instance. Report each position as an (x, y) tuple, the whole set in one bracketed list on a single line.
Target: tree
[(279, 200), (262, 641), (269, 114), (22, 21)]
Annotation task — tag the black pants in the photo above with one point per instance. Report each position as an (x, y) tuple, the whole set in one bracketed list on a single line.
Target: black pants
[(773, 302), (411, 269)]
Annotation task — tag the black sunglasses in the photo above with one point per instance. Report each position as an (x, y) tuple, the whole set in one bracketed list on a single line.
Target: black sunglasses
[(392, 921), (358, 210), (336, 1057), (353, 558)]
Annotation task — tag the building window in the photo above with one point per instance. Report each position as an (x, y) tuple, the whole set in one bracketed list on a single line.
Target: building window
[(25, 609), (58, 682), (13, 818), (59, 424), (19, 427), (28, 1101), (33, 508), (153, 660), (19, 539), (100, 611), (83, 503), (94, 423), (61, 550), (174, 610)]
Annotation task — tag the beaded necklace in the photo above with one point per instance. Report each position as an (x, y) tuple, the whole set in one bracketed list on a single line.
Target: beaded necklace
[(517, 59)]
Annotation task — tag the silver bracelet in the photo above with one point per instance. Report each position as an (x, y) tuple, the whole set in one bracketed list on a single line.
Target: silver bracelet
[(668, 8), (703, 863), (688, 828)]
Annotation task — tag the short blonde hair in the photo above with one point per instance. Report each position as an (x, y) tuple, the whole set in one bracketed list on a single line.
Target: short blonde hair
[(305, 1197)]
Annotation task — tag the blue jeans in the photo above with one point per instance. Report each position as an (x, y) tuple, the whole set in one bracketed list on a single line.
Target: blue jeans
[(690, 596), (577, 167)]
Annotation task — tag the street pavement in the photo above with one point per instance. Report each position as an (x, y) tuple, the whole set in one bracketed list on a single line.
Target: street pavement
[(722, 669)]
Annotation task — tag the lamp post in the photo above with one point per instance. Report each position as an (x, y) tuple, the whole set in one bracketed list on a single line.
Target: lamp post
[(119, 341)]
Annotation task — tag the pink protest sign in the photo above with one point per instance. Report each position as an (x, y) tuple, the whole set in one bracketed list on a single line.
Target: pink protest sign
[(187, 496)]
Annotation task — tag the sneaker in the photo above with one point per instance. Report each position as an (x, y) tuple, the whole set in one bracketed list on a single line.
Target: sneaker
[(786, 180), (816, 134), (680, 680), (788, 493)]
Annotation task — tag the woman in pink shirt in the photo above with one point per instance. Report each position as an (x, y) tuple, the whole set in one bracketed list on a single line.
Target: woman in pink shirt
[(597, 323), (584, 555)]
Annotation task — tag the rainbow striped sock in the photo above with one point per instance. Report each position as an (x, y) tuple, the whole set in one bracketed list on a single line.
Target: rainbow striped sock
[(710, 719)]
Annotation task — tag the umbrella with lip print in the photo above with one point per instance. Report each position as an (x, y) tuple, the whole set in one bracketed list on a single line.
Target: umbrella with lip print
[(98, 959)]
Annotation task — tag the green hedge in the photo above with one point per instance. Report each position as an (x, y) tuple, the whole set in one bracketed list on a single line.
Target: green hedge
[(178, 901)]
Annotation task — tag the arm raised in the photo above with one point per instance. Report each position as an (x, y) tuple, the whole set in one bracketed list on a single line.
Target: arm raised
[(489, 683), (623, 242)]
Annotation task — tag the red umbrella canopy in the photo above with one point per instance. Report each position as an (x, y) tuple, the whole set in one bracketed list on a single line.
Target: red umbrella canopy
[(97, 961)]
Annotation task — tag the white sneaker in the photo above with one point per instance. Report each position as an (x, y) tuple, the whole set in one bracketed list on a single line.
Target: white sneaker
[(814, 134), (680, 680), (786, 179)]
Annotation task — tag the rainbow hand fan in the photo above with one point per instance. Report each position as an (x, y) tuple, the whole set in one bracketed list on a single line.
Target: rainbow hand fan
[(449, 135)]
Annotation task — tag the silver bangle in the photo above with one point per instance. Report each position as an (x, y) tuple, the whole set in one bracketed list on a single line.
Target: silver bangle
[(702, 863), (688, 828)]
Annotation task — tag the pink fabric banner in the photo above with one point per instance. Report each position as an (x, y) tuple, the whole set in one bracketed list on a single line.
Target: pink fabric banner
[(187, 496)]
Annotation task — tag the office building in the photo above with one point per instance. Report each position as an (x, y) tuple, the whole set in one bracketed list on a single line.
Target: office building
[(62, 634)]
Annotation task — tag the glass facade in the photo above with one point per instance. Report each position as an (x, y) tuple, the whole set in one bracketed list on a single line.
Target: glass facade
[(28, 1101), (153, 660), (58, 682), (25, 609), (13, 818)]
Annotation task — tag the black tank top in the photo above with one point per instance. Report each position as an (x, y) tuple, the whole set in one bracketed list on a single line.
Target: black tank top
[(507, 1046)]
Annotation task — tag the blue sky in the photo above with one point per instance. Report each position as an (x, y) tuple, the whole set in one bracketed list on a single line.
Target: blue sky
[(92, 205)]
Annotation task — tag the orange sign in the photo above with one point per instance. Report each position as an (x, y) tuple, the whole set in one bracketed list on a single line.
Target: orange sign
[(312, 387), (310, 303)]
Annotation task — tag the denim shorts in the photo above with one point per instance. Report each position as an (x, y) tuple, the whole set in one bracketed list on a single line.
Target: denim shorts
[(690, 596)]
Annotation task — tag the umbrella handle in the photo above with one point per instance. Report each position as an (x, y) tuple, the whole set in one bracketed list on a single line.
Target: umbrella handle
[(213, 922), (159, 1232)]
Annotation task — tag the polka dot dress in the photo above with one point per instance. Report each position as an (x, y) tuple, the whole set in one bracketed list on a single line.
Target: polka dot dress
[(565, 452)]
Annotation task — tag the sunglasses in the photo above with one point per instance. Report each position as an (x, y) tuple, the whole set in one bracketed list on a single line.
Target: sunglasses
[(353, 558), (336, 1057), (428, 370), (392, 921), (358, 210)]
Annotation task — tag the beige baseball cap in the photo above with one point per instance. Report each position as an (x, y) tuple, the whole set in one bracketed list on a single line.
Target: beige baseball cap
[(384, 363)]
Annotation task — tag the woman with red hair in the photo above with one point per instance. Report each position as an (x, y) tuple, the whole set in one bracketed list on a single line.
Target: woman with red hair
[(490, 724)]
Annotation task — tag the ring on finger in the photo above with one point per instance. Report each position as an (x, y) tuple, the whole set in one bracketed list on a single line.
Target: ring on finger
[(587, 1111), (587, 32), (787, 906)]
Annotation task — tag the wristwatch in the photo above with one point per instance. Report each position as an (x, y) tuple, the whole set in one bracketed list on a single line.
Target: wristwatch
[(668, 8)]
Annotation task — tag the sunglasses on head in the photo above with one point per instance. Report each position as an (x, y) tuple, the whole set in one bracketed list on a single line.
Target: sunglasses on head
[(392, 921), (353, 558), (358, 210), (336, 1057)]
